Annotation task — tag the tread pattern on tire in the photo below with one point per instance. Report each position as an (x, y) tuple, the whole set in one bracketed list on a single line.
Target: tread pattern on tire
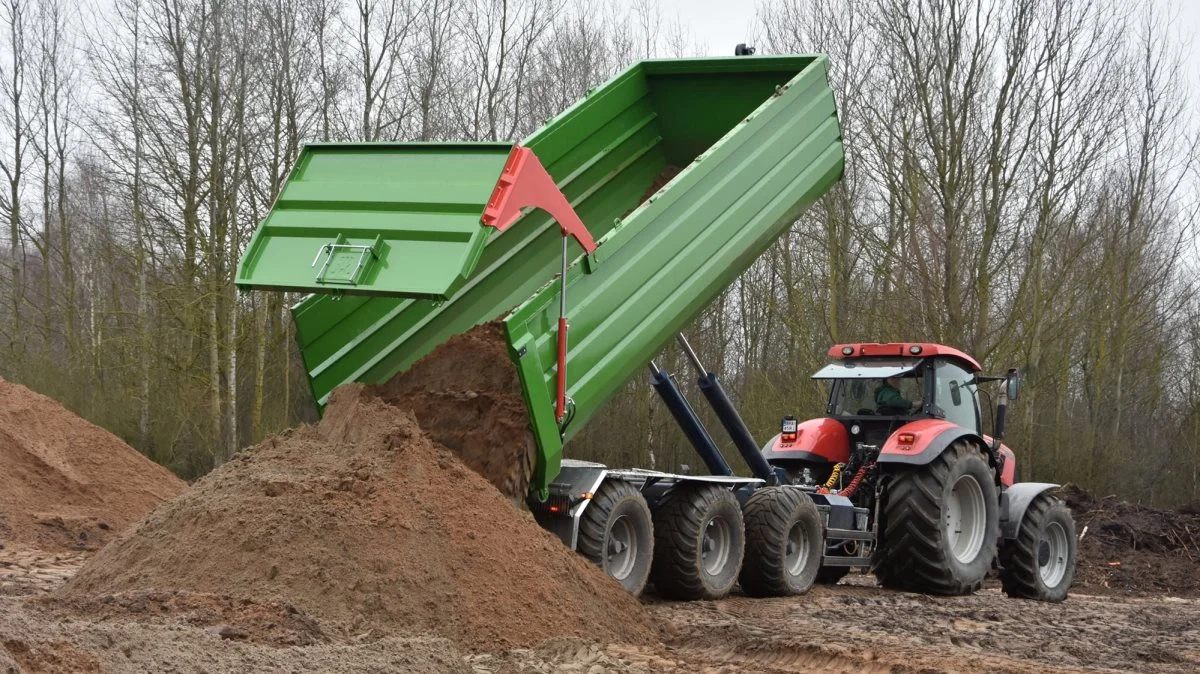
[(911, 556), (677, 519), (593, 524), (768, 516), (1020, 575)]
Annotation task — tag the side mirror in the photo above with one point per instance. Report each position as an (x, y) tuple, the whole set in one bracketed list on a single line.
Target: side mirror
[(1013, 384)]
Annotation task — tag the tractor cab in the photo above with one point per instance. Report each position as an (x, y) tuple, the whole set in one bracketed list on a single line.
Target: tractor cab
[(882, 397)]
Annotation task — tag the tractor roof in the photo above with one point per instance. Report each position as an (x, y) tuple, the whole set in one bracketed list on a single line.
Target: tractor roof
[(906, 349)]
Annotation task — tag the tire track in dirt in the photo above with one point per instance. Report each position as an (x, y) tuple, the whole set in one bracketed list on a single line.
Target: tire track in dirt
[(868, 629)]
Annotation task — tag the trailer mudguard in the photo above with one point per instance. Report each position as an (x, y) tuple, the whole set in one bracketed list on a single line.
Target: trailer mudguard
[(929, 438), (1014, 502), (821, 440)]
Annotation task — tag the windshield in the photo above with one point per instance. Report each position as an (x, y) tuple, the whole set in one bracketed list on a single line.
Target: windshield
[(898, 395)]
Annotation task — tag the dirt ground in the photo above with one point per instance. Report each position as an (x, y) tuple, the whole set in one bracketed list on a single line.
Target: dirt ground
[(854, 627)]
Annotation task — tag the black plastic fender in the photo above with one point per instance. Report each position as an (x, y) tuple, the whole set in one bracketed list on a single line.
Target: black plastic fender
[(1013, 503)]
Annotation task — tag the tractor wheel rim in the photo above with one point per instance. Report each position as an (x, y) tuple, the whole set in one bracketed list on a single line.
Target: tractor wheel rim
[(796, 557), (966, 519), (714, 548), (620, 554), (1055, 568)]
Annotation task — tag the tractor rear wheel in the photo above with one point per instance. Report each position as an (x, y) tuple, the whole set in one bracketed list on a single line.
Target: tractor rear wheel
[(699, 537), (783, 543), (940, 524), (616, 533), (1040, 563)]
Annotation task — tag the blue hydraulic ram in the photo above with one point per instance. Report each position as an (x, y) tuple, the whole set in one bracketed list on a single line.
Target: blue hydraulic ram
[(730, 419), (686, 417)]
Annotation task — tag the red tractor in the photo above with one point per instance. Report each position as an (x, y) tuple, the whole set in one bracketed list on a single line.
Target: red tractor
[(901, 450)]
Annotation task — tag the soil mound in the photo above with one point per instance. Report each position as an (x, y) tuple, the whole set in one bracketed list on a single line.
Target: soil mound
[(467, 397), (1131, 549), (66, 483), (367, 523)]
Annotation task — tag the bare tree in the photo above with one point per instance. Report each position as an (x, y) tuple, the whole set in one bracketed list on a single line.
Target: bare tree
[(13, 83)]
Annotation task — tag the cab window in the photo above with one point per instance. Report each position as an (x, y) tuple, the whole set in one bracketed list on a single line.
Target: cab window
[(955, 395)]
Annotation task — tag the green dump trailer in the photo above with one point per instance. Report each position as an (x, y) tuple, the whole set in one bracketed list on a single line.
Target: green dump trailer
[(404, 245)]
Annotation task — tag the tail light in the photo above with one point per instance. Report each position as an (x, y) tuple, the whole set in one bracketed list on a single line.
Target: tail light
[(788, 429)]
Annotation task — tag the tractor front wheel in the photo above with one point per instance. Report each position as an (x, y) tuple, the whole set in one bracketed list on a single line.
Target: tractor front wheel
[(940, 524), (699, 537), (1040, 563), (616, 533), (783, 543)]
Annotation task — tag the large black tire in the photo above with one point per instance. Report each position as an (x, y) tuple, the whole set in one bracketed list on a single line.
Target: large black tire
[(698, 543), (616, 533), (940, 524), (1040, 563), (783, 543)]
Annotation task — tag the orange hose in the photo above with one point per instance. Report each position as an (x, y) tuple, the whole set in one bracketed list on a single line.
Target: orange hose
[(857, 480)]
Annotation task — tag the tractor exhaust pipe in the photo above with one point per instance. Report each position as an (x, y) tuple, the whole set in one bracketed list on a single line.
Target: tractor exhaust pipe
[(1012, 386), (730, 419)]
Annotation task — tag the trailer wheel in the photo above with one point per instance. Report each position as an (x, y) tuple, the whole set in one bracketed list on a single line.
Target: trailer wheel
[(698, 541), (616, 534), (783, 543), (940, 524), (1040, 563)]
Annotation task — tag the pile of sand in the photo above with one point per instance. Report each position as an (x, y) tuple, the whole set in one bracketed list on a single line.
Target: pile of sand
[(368, 523), (65, 483), (467, 397), (1133, 549)]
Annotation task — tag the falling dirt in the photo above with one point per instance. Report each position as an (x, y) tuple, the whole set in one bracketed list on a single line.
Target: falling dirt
[(369, 524), (66, 484), (467, 397), (1134, 550)]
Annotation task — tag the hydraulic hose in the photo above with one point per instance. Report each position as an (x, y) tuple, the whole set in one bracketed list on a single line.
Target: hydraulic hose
[(833, 479), (857, 480)]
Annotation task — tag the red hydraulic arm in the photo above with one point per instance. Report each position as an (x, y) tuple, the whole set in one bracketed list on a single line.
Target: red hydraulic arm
[(524, 183)]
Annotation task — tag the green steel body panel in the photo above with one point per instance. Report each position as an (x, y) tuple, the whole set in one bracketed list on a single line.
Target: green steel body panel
[(403, 218), (758, 140), (672, 256)]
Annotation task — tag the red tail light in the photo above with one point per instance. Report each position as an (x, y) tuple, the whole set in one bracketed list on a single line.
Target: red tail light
[(789, 429), (906, 438)]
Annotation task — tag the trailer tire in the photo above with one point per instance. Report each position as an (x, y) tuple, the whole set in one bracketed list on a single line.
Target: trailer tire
[(784, 543), (1040, 562), (699, 537), (616, 533), (941, 522)]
